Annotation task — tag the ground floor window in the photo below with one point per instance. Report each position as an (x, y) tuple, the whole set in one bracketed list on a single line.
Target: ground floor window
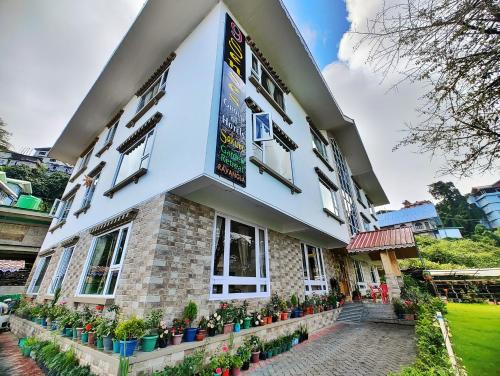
[(360, 276), (62, 267), (314, 270), (104, 263), (240, 266), (40, 271), (374, 274)]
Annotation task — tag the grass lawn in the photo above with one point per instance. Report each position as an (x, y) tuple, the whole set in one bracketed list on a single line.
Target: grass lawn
[(475, 330)]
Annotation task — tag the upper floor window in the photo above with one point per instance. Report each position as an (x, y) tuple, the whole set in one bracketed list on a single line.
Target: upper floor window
[(366, 225), (276, 154), (60, 208), (150, 93), (319, 145), (240, 266), (314, 270), (135, 157), (329, 198), (90, 183), (104, 263), (111, 133), (267, 82), (84, 160), (62, 267), (41, 269)]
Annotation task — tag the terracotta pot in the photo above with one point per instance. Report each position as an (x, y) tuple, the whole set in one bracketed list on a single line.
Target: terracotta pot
[(200, 336), (235, 372), (228, 328), (284, 315), (176, 339), (79, 333), (255, 357), (263, 322), (409, 316), (269, 319), (91, 338), (225, 372)]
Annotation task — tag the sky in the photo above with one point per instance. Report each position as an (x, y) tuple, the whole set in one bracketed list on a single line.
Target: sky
[(52, 51)]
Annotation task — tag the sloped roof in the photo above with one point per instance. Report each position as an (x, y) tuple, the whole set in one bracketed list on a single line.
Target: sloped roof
[(400, 240), (416, 213)]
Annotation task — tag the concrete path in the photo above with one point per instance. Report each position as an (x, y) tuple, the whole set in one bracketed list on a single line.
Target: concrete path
[(346, 349), (12, 363)]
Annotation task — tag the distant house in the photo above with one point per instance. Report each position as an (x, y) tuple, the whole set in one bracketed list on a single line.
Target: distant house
[(421, 216), (38, 158), (22, 230), (487, 198)]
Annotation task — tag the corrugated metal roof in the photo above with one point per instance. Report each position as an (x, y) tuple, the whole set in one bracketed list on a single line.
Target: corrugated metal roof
[(416, 213), (381, 240)]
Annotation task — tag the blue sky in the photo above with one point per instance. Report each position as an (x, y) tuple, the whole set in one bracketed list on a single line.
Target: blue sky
[(322, 24)]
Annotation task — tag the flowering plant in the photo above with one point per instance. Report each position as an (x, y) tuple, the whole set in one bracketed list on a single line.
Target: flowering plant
[(410, 307), (88, 327), (99, 307), (227, 312), (178, 327), (163, 329), (215, 321)]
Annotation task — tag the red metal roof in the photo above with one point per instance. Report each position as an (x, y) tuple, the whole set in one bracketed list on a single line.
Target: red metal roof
[(382, 240)]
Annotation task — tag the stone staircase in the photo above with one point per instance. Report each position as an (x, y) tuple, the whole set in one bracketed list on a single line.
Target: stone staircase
[(352, 312)]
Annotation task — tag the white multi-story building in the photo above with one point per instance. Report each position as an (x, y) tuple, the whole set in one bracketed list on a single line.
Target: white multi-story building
[(211, 162)]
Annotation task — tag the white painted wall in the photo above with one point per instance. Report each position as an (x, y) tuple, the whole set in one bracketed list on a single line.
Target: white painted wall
[(184, 145)]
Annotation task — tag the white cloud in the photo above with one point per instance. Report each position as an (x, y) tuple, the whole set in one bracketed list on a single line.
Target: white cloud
[(310, 35), (51, 55), (381, 115)]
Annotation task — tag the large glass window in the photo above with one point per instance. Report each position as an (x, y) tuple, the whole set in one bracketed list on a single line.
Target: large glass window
[(240, 260), (319, 145), (111, 133), (58, 277), (66, 206), (314, 270), (267, 82), (40, 271), (136, 157), (104, 263), (329, 198), (157, 86)]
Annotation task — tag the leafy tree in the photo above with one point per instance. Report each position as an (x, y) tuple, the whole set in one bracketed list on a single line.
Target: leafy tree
[(453, 208), (46, 185), (454, 254), (452, 47), (4, 136)]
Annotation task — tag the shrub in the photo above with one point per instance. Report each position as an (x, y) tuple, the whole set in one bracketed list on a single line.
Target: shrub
[(132, 328), (190, 312)]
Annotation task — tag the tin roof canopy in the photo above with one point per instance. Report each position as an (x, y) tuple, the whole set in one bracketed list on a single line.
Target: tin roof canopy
[(400, 240)]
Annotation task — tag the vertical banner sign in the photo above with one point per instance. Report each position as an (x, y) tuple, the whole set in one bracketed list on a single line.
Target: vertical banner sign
[(230, 153)]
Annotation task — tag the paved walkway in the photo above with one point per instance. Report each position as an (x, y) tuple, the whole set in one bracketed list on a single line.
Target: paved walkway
[(12, 363), (346, 349)]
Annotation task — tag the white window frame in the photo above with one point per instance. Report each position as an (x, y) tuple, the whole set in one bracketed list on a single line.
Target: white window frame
[(111, 132), (113, 267), (263, 159), (314, 135), (90, 191), (308, 282), (36, 275), (84, 161), (225, 280), (60, 273), (357, 264), (54, 211), (254, 122), (258, 75), (64, 206), (163, 82), (143, 157), (334, 198)]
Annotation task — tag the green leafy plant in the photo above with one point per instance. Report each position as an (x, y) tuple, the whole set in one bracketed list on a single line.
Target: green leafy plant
[(190, 312), (153, 321), (294, 300), (253, 342), (132, 328)]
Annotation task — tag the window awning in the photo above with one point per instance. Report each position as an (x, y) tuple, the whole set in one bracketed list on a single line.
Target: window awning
[(400, 240)]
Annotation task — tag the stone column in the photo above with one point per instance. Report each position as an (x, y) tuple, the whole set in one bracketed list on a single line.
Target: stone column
[(392, 273)]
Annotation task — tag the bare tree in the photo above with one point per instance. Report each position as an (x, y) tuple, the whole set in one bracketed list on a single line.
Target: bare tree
[(4, 136), (453, 47)]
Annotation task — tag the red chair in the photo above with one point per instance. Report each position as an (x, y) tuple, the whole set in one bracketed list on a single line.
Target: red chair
[(385, 292), (374, 292)]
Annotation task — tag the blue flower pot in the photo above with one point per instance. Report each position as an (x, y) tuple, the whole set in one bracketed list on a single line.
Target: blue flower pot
[(116, 346), (190, 334), (43, 322), (127, 348), (237, 327)]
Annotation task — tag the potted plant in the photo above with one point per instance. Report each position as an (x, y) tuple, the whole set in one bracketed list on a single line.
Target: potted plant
[(28, 345), (164, 335), (410, 310), (235, 364), (107, 332), (76, 324), (214, 323), (294, 302), (244, 352), (226, 311), (356, 295), (152, 323), (399, 308), (89, 328), (177, 331), (129, 332), (283, 309), (100, 327), (190, 313), (303, 333), (202, 329), (254, 343)]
